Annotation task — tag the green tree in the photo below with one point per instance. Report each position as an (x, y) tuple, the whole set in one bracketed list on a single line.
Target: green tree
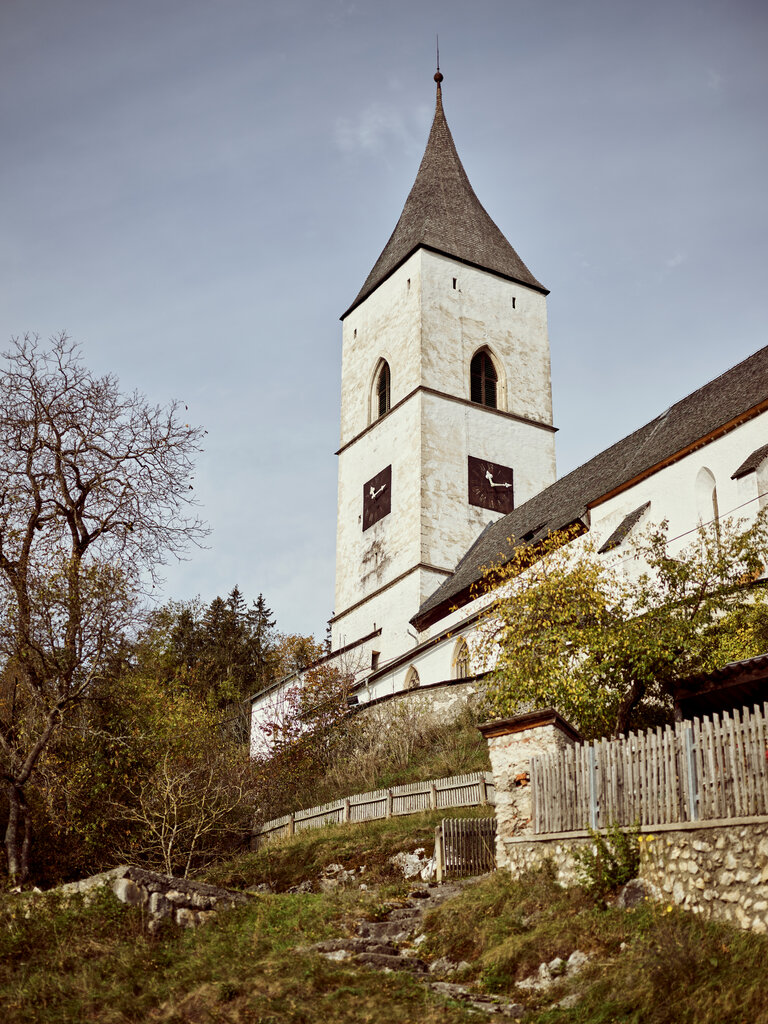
[(603, 647), (95, 492)]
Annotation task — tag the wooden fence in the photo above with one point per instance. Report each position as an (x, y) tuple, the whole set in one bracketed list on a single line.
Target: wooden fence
[(473, 790), (465, 846), (703, 769)]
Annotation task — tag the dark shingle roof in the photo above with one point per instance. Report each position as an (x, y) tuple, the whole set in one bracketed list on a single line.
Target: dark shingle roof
[(752, 461), (684, 426), (443, 213), (624, 528)]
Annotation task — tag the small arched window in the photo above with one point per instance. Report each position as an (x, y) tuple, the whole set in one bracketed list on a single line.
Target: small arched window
[(461, 660), (706, 497), (382, 389), (483, 380), (412, 679)]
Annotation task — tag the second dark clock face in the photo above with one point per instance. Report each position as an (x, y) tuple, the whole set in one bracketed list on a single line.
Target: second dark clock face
[(490, 485), (377, 497)]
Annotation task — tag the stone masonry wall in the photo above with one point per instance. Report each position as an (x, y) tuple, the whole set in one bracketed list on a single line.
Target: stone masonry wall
[(718, 869), (183, 901)]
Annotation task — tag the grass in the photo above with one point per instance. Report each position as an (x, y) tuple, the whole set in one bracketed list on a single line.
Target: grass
[(392, 745), (287, 862), (71, 962), (65, 961), (652, 965)]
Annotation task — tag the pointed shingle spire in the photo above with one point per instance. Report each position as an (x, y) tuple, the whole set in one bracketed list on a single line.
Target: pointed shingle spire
[(443, 213)]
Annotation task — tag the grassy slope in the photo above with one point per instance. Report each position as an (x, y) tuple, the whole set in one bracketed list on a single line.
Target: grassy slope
[(96, 963)]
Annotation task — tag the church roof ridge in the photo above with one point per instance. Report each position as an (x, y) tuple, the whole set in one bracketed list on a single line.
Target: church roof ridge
[(442, 213)]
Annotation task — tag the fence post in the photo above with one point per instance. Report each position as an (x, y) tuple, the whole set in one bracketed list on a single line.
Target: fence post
[(292, 825), (693, 782), (346, 809), (389, 803), (439, 854), (483, 791), (432, 796), (512, 742), (592, 788)]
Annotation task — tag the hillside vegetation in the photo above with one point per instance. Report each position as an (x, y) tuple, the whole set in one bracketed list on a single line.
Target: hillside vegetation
[(652, 965)]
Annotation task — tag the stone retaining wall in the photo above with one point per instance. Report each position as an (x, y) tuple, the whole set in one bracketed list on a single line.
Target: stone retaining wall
[(183, 901), (715, 868)]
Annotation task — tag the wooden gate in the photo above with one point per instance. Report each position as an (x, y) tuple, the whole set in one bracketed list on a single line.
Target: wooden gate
[(465, 846)]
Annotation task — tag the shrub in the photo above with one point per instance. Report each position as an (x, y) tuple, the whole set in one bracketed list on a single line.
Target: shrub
[(609, 860)]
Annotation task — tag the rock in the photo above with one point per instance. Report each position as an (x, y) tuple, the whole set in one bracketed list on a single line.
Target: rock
[(128, 892), (442, 966), (410, 864), (304, 887), (569, 1001), (636, 891), (337, 954), (262, 887), (576, 961)]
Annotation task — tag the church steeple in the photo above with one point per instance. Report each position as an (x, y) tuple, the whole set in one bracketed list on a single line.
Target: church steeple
[(443, 213)]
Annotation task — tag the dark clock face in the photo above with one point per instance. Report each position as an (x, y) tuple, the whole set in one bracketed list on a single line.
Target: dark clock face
[(490, 485), (377, 497)]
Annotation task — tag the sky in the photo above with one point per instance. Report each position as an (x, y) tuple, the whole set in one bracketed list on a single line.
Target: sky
[(195, 190)]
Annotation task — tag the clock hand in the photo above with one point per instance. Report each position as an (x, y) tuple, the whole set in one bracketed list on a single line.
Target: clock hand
[(489, 478), (375, 494)]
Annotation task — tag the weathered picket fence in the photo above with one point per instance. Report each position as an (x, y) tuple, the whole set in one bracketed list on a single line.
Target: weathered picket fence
[(465, 846), (704, 769), (473, 790)]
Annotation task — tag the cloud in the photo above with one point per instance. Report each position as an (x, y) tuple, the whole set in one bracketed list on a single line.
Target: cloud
[(374, 129), (676, 260), (714, 80)]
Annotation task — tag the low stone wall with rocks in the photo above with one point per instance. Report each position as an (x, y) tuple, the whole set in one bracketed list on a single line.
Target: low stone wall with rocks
[(444, 701), (718, 868), (183, 901), (715, 868)]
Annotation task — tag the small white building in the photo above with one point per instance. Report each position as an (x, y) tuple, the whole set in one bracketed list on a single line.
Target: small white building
[(447, 448)]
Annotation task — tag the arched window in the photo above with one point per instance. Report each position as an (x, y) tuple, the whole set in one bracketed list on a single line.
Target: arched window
[(382, 389), (706, 497), (461, 660), (483, 380), (412, 679)]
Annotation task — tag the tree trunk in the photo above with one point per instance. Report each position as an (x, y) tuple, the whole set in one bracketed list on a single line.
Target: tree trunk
[(628, 704), (18, 835)]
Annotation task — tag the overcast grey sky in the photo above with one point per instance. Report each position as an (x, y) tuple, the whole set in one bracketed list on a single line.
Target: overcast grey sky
[(196, 189)]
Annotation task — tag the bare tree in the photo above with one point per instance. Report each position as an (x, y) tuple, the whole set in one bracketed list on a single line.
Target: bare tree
[(95, 494)]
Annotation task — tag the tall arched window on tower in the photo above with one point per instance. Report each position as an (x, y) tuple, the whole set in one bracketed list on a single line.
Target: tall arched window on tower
[(483, 380), (382, 389)]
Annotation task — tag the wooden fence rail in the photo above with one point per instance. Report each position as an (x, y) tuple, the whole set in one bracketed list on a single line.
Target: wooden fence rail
[(473, 790), (703, 769)]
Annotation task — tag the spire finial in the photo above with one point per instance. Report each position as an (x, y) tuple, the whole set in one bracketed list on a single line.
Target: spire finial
[(438, 75)]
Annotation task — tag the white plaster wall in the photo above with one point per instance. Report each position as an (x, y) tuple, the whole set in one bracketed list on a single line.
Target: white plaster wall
[(450, 433), (387, 325), (367, 560), (479, 312)]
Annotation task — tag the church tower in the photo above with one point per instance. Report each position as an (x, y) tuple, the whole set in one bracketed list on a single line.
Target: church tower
[(446, 407)]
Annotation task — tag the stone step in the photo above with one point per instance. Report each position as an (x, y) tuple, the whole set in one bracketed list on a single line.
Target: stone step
[(381, 961), (355, 946), (394, 930), (405, 914)]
